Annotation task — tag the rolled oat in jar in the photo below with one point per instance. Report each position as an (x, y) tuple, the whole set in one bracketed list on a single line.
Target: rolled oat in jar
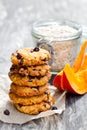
[(60, 38)]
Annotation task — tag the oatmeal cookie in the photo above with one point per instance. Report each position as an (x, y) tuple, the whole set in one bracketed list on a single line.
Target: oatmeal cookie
[(29, 100), (39, 70), (29, 80), (36, 108), (30, 56), (28, 91)]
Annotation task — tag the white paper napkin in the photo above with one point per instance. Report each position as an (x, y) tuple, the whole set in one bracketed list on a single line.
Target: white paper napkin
[(17, 117)]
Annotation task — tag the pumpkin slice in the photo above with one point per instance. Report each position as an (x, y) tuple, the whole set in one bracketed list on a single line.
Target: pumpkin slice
[(73, 83), (84, 64), (79, 65), (79, 60)]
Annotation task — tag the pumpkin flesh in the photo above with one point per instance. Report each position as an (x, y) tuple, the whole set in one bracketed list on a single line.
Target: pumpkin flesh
[(73, 83)]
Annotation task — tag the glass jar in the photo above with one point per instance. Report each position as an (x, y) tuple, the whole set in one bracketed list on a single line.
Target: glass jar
[(60, 38), (84, 34)]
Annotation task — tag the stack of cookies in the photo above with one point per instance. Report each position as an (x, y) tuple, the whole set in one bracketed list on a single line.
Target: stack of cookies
[(30, 74)]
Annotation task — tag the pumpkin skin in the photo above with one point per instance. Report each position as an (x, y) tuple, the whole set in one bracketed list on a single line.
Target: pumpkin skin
[(62, 86), (57, 81)]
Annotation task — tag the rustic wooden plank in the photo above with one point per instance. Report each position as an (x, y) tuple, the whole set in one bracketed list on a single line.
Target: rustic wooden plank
[(75, 115)]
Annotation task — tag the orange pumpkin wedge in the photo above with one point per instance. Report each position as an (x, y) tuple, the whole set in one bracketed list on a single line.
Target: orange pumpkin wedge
[(79, 60), (84, 64), (73, 83)]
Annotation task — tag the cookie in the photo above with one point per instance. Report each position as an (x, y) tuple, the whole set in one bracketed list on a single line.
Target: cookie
[(29, 80), (30, 56), (28, 91), (39, 70), (28, 100), (37, 108)]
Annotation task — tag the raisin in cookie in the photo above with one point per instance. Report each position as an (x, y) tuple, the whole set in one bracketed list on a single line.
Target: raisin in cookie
[(29, 100), (36, 108), (30, 56), (39, 70), (28, 91), (29, 80)]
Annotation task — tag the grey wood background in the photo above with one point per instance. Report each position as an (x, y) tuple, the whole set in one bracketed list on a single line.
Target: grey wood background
[(16, 18)]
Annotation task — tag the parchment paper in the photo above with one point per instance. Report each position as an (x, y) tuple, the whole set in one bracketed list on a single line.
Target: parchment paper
[(17, 117)]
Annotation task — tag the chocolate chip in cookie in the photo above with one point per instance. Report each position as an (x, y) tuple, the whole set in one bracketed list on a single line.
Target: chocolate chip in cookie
[(37, 87), (19, 56), (30, 79), (38, 77), (13, 68), (46, 92), (22, 72), (20, 105), (44, 59), (21, 61), (36, 49)]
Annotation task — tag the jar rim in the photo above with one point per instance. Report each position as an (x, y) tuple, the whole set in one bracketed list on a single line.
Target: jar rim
[(69, 23)]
